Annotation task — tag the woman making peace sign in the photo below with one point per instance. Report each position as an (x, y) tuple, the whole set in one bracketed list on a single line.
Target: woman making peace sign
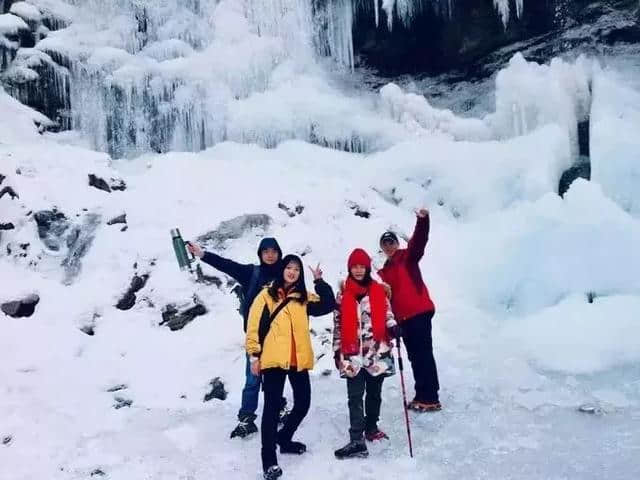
[(279, 344)]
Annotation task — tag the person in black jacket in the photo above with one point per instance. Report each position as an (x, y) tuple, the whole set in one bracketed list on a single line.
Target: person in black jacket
[(252, 278)]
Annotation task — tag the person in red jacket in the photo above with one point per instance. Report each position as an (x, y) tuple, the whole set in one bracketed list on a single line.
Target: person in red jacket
[(413, 309)]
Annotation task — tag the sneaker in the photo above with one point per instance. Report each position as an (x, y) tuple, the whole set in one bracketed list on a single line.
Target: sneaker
[(353, 449), (244, 428), (294, 448), (375, 435), (423, 407), (273, 472)]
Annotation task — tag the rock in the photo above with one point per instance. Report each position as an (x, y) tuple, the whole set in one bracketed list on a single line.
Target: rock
[(8, 190), (21, 308), (7, 226), (79, 240), (298, 209), (176, 319), (128, 300), (122, 402), (591, 409), (88, 329), (217, 390), (2, 177), (358, 211), (580, 169), (52, 224), (124, 229), (7, 440), (210, 280), (117, 184), (234, 228), (98, 472), (117, 388), (119, 219), (99, 183), (389, 195)]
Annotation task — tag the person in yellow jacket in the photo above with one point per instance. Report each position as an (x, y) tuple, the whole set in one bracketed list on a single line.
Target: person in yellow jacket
[(279, 346)]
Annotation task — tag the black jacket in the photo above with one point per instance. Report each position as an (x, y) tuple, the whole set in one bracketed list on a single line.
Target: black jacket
[(245, 274)]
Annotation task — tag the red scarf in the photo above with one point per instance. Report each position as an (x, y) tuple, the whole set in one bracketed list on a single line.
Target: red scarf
[(349, 313)]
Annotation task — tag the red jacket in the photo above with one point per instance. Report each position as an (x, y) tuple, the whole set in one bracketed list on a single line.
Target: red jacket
[(409, 294)]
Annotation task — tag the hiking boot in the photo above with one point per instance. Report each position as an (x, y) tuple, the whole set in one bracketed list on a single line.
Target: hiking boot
[(353, 449), (375, 435), (294, 448), (423, 407), (273, 472), (246, 426)]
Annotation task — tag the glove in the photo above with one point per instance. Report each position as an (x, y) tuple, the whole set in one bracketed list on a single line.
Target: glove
[(394, 331)]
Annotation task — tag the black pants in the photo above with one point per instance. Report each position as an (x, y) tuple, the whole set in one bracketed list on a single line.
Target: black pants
[(273, 386), (364, 418), (416, 333)]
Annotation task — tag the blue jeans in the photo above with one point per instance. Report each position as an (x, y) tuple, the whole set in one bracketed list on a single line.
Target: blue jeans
[(250, 393)]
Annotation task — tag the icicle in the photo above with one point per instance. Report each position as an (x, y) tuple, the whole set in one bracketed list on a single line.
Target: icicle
[(503, 8), (377, 12)]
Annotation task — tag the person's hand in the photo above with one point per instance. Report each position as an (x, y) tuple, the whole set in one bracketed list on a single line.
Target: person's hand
[(317, 272), (337, 360), (195, 250), (422, 213), (394, 331), (255, 368)]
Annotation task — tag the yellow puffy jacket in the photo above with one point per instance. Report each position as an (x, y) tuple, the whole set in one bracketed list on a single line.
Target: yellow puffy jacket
[(293, 319)]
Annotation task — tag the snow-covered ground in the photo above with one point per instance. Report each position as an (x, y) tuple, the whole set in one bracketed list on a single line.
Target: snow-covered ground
[(538, 296)]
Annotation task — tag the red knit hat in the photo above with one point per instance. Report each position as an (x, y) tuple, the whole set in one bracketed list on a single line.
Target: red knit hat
[(359, 257)]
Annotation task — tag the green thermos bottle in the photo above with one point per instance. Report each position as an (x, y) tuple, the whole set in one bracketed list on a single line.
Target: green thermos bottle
[(181, 252)]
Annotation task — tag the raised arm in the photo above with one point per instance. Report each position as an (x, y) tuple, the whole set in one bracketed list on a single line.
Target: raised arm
[(420, 237), (318, 307), (240, 271)]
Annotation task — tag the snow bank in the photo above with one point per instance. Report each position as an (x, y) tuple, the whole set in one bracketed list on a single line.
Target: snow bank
[(22, 126), (578, 337), (615, 143)]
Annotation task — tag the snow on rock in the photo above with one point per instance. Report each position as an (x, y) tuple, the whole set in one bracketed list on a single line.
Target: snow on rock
[(26, 11), (12, 24)]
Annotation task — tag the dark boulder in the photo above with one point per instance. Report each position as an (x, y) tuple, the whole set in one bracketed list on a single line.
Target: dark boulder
[(24, 307)]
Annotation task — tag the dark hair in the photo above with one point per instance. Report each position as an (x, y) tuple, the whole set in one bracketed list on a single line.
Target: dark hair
[(365, 281), (299, 286)]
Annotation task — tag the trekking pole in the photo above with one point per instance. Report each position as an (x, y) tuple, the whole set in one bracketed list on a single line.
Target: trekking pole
[(404, 398)]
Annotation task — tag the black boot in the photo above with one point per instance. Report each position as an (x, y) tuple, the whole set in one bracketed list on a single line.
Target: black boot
[(273, 472), (353, 449), (246, 426), (295, 448)]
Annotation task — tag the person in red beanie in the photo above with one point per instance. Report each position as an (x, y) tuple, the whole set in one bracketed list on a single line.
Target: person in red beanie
[(363, 350), (413, 309)]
